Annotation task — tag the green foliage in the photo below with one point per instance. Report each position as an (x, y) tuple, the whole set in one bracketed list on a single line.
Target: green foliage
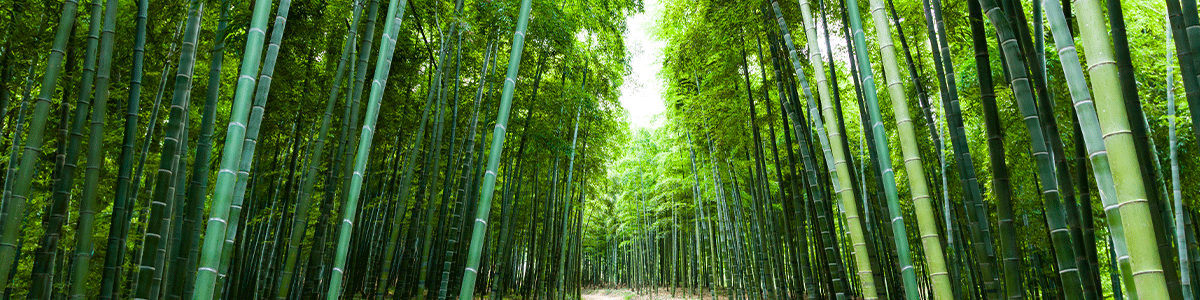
[(705, 97), (570, 37)]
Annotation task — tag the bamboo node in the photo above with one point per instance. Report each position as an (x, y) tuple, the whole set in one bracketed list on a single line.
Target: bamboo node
[(1100, 64), (1125, 131), (1122, 204), (1146, 272)]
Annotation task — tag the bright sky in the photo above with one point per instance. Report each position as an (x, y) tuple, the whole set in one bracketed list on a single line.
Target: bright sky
[(641, 94)]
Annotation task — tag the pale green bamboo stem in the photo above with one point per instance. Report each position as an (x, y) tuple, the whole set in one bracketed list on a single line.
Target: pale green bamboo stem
[(884, 163), (1114, 124), (841, 178), (935, 260), (1086, 110)]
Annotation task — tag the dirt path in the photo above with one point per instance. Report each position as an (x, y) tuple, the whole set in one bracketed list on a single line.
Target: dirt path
[(606, 294), (625, 294), (600, 297)]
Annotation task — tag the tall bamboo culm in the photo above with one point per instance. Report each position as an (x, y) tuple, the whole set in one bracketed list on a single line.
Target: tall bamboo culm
[(114, 259), (935, 260), (84, 244), (14, 208), (884, 163), (1090, 128), (1131, 195), (1176, 189), (387, 47), (488, 187), (214, 237), (174, 140), (1023, 95), (841, 177)]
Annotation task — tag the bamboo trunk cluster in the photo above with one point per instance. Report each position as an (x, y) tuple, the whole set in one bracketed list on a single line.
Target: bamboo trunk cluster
[(375, 202)]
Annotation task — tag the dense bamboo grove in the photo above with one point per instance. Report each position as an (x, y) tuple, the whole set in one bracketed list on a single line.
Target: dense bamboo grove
[(809, 149), (1041, 143), (346, 197)]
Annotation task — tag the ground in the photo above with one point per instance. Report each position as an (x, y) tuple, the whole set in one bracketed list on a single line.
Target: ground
[(628, 294)]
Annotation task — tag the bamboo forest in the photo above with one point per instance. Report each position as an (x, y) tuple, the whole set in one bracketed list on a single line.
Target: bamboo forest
[(600, 149)]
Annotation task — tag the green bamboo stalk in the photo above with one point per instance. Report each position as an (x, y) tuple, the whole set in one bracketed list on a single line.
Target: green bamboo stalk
[(800, 250), (1192, 35), (1048, 121), (250, 143), (567, 202), (242, 183), (467, 291), (175, 216), (354, 99), (16, 142), (833, 281), (214, 238), (84, 243), (884, 162), (382, 67), (1152, 174), (840, 163), (1089, 124), (193, 206), (455, 221), (11, 169), (151, 132), (64, 123), (337, 169), (119, 227), (477, 176), (783, 238), (1001, 183), (165, 179), (11, 163), (918, 185), (59, 201), (1064, 253), (1176, 190), (962, 152), (304, 198), (1114, 124), (465, 181), (1184, 28)]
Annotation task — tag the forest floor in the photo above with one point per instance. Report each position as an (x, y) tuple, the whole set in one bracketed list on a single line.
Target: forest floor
[(642, 294)]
